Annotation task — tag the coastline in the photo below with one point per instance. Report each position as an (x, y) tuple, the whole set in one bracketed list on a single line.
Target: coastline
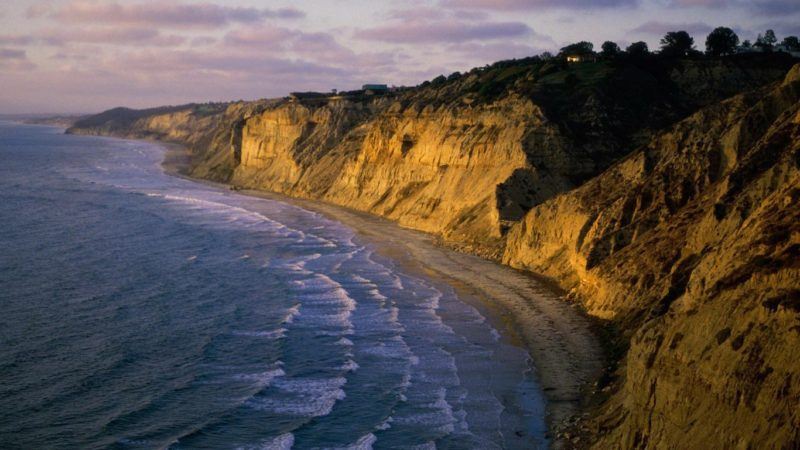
[(566, 354)]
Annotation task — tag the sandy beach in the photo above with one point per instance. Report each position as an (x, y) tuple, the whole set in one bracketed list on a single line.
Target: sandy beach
[(565, 352)]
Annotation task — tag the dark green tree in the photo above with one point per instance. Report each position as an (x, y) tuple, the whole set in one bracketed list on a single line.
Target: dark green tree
[(721, 41), (746, 43), (769, 38), (638, 50), (791, 43), (578, 48), (609, 49), (766, 41), (676, 43)]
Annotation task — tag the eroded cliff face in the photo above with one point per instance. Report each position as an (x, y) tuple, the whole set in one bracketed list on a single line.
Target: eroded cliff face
[(462, 173), (692, 246), (667, 212)]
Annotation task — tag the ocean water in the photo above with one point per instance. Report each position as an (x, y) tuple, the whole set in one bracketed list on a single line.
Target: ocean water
[(140, 310)]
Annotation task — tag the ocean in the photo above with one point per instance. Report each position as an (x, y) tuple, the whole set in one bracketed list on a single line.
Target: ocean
[(142, 310)]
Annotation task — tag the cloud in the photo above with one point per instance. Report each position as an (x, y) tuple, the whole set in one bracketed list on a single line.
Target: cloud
[(657, 28), (477, 53), (775, 7), (179, 15), (278, 40), (758, 7), (14, 60), (533, 5), (702, 3), (10, 53), (9, 39), (135, 36), (443, 31)]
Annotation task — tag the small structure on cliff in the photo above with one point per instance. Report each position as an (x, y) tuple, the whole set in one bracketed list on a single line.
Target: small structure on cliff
[(372, 89), (581, 57)]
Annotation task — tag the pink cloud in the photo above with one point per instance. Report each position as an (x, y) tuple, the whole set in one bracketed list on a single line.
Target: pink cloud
[(278, 40)]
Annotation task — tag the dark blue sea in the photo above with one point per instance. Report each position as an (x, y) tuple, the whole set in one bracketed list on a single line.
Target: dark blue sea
[(141, 310)]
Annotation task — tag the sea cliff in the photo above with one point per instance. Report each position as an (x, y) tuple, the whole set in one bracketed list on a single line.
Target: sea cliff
[(661, 194)]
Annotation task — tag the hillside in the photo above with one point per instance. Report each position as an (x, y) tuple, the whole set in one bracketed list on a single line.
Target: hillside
[(661, 193)]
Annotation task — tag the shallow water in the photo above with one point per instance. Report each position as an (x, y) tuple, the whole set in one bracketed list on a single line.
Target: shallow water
[(139, 310)]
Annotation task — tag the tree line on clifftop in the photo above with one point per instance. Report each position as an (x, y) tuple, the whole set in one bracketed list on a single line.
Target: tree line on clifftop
[(720, 42)]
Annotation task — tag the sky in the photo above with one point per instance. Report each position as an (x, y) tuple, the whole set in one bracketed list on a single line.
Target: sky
[(82, 56)]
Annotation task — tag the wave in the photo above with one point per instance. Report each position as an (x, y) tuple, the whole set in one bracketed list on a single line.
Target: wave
[(305, 397), (282, 442), (238, 214), (280, 333)]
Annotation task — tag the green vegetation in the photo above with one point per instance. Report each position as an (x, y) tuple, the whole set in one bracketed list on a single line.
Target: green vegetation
[(638, 50), (677, 43), (721, 41), (610, 50)]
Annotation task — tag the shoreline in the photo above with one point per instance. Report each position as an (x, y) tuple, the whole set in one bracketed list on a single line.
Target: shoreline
[(566, 354)]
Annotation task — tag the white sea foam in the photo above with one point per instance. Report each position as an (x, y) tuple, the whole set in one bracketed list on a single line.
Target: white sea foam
[(243, 216), (291, 313), (263, 379), (308, 397), (270, 334), (282, 442), (363, 443), (349, 366)]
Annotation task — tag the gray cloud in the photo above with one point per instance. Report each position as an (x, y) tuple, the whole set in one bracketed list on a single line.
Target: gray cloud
[(14, 60), (182, 15), (443, 31), (657, 28), (532, 5), (134, 36), (10, 53), (9, 39), (759, 7)]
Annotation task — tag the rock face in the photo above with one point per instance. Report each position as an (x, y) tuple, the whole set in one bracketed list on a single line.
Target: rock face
[(453, 172), (692, 245), (662, 195)]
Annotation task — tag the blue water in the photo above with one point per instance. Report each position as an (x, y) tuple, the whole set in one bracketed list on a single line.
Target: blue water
[(140, 310)]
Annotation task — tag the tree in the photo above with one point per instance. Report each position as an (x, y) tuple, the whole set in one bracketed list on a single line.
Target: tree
[(791, 43), (769, 38), (609, 49), (676, 43), (767, 41), (638, 50), (438, 80), (746, 43), (721, 41), (578, 48)]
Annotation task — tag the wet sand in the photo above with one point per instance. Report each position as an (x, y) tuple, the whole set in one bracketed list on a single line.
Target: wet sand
[(566, 354)]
